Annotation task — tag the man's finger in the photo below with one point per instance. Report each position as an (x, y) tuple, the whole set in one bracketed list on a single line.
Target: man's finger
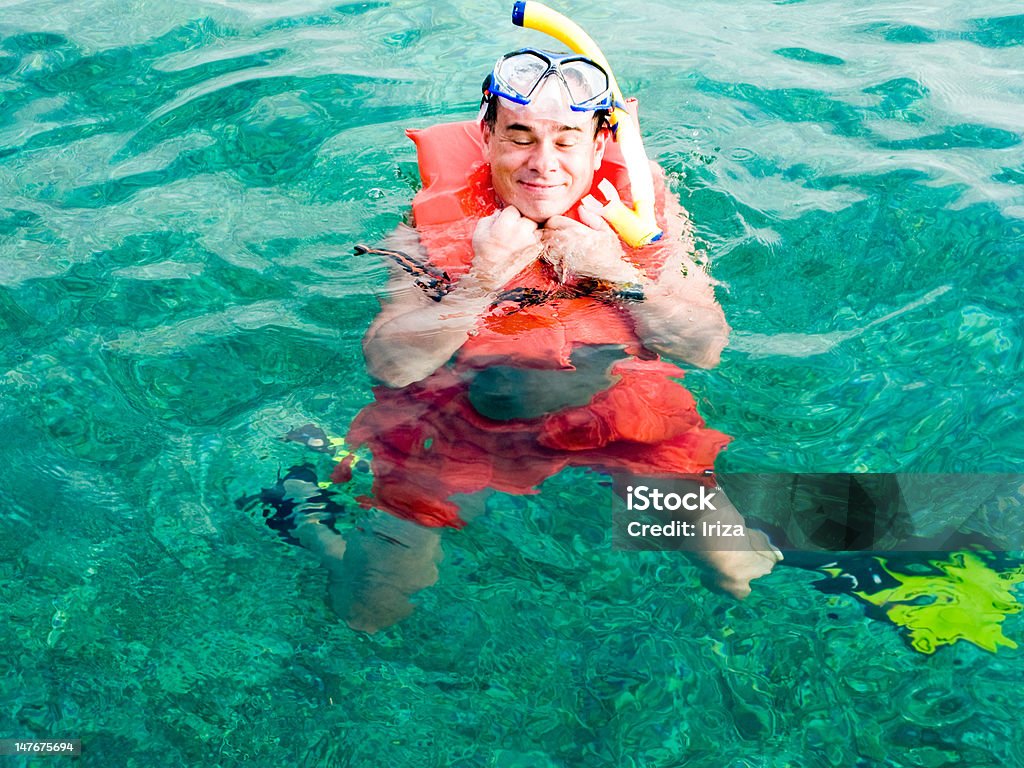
[(560, 223), (487, 223), (509, 214), (501, 220), (593, 219), (512, 223)]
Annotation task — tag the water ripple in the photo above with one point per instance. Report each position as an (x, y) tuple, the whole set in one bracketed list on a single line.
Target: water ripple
[(180, 190)]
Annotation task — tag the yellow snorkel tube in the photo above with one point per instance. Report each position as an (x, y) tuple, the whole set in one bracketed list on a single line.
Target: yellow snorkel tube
[(637, 226)]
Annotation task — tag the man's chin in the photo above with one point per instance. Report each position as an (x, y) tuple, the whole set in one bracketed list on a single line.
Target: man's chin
[(541, 213)]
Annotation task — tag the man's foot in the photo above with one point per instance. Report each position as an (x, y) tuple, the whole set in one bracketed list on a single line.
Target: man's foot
[(737, 568)]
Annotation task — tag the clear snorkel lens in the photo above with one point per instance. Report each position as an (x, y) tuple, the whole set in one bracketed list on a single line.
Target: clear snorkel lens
[(518, 76)]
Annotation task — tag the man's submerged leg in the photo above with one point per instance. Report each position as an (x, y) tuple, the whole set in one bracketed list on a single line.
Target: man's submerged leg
[(385, 562), (373, 569)]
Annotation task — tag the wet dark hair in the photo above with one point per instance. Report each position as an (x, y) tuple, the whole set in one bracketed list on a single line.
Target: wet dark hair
[(490, 118)]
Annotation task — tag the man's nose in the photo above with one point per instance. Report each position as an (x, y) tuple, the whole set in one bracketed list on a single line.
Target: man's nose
[(544, 158)]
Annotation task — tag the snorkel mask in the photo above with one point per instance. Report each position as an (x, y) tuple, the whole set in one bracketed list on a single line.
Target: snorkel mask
[(519, 77)]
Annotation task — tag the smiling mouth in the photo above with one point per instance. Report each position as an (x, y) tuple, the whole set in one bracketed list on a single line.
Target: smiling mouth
[(541, 189)]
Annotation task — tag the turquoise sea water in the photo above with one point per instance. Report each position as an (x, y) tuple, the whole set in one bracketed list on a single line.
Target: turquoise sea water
[(181, 185)]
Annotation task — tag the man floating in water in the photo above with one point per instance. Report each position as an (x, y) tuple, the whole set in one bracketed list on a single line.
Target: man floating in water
[(522, 335)]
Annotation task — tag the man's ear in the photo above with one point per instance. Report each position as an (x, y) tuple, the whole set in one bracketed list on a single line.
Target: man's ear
[(486, 135), (600, 142)]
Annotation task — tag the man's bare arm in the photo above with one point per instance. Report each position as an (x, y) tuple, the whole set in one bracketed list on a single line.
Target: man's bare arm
[(679, 315), (414, 335)]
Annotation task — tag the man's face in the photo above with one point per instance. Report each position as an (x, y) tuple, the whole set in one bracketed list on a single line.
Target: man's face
[(543, 159)]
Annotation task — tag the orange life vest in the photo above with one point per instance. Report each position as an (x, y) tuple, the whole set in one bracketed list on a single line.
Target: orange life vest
[(428, 440), (456, 194)]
